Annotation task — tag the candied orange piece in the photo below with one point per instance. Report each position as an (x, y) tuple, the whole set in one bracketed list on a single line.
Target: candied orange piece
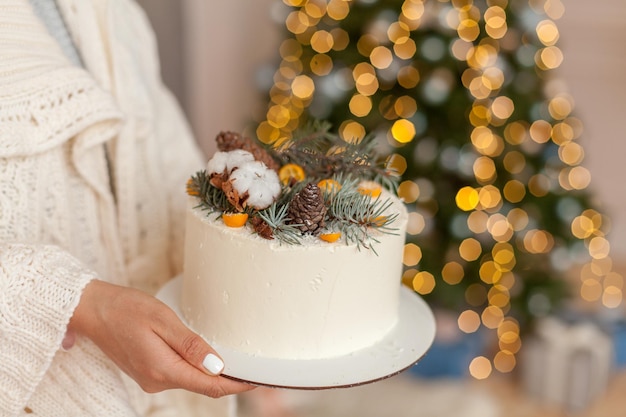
[(330, 237), (379, 221), (371, 188), (329, 185), (289, 172), (235, 219), (191, 189)]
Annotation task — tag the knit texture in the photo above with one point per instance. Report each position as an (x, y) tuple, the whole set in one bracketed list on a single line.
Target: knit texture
[(67, 215)]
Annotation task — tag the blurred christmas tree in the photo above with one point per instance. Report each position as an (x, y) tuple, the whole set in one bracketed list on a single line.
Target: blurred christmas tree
[(462, 96)]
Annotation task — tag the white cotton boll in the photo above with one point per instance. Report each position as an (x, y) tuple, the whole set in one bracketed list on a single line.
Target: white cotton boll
[(261, 184), (264, 193), (237, 158), (227, 161), (217, 164)]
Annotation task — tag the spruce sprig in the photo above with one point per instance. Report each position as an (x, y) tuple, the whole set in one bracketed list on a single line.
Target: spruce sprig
[(275, 216), (355, 214), (323, 154), (211, 198)]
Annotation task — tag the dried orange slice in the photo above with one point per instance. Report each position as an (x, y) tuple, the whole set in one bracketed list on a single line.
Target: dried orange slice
[(289, 172), (235, 219), (329, 185), (371, 188), (379, 221), (191, 189), (330, 237)]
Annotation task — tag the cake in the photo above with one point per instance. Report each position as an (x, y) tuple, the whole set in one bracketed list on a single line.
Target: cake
[(284, 259)]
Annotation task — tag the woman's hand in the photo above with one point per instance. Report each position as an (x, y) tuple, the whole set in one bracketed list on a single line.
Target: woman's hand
[(147, 340)]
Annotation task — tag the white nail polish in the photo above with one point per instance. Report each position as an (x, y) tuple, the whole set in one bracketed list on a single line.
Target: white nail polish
[(213, 364)]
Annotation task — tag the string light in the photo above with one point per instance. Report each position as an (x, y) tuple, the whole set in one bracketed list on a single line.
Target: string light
[(392, 77)]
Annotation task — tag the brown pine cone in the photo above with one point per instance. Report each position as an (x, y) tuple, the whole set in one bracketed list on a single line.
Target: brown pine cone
[(307, 209), (262, 228), (229, 141)]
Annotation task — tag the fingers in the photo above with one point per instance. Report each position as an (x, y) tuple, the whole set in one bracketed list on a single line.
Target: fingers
[(193, 349)]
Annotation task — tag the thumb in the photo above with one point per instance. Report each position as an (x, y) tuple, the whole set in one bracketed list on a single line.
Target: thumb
[(194, 349)]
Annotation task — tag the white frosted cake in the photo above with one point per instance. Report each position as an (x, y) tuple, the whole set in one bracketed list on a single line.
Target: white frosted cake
[(279, 289)]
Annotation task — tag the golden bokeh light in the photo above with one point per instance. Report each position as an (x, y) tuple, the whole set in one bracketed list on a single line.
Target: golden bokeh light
[(571, 153), (338, 9), (321, 64), (424, 282), (303, 87), (322, 41), (381, 57), (560, 107), (514, 162), (480, 367), (540, 131), (405, 49), (517, 218), (549, 58), (495, 22), (492, 316), (499, 227), (489, 197), (408, 191), (351, 131), (476, 295), (468, 30), (484, 170), (403, 130), (360, 105), (514, 191), (502, 107), (405, 107), (469, 321), (470, 249), (539, 185), (547, 32), (412, 254), (396, 163), (477, 221), (315, 8), (504, 361), (408, 77), (612, 297), (452, 273), (413, 10), (590, 290), (599, 247), (416, 224), (489, 272), (467, 198)]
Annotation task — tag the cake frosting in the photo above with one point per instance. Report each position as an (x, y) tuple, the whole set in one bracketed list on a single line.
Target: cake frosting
[(293, 252), (306, 301)]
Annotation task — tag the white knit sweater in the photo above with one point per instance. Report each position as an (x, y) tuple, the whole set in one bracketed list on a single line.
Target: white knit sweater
[(68, 216)]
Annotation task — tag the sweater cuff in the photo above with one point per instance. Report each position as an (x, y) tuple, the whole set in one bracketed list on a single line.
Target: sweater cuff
[(40, 286)]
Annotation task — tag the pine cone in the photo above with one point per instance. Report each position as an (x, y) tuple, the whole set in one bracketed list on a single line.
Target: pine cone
[(229, 141), (262, 228), (308, 210)]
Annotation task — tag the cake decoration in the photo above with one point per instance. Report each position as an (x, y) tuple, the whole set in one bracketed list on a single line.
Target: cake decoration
[(315, 184)]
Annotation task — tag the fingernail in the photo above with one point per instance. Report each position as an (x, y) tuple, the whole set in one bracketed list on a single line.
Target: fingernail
[(68, 341), (213, 364)]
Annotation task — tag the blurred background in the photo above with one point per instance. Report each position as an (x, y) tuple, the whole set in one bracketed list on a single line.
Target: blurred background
[(505, 120)]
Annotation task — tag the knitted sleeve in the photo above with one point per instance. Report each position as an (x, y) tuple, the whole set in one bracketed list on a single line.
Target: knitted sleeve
[(40, 286)]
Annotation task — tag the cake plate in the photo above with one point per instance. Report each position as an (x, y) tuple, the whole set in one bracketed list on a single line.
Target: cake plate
[(400, 349)]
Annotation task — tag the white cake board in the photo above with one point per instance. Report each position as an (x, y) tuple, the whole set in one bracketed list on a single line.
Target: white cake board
[(404, 346)]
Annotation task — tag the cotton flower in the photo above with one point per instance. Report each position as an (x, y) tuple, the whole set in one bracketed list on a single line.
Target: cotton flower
[(227, 161), (258, 181)]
